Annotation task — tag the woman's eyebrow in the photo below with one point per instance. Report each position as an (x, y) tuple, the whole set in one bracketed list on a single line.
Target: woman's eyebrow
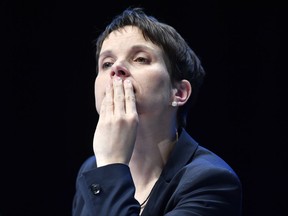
[(105, 53), (141, 47), (109, 52)]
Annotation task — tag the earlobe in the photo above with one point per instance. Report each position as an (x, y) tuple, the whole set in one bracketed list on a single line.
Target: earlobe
[(184, 90)]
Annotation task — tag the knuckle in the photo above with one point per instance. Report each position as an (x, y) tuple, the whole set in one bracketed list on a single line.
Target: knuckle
[(133, 117), (120, 119), (130, 98), (119, 98)]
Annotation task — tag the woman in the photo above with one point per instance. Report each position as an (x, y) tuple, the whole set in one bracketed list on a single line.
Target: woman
[(144, 162)]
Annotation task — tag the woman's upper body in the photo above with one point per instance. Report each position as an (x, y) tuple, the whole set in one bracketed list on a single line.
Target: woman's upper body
[(194, 182), (147, 78)]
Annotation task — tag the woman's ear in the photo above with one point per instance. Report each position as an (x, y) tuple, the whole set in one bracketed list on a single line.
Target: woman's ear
[(183, 90)]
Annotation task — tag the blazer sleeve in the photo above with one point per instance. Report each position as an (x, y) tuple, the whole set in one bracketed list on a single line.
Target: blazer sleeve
[(107, 190)]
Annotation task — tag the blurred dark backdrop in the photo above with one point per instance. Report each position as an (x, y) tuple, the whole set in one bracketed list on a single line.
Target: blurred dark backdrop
[(48, 116)]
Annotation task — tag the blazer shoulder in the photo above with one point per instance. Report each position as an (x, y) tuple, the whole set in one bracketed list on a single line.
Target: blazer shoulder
[(207, 163)]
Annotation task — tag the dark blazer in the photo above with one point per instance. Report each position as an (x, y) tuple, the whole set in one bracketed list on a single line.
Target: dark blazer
[(194, 182)]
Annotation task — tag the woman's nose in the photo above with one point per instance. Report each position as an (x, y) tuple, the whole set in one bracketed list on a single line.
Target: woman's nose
[(119, 70)]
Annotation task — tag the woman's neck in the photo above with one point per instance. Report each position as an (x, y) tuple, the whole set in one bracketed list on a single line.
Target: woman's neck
[(149, 157), (151, 152)]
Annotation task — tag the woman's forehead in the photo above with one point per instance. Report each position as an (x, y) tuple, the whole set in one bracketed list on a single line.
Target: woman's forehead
[(126, 32), (128, 36)]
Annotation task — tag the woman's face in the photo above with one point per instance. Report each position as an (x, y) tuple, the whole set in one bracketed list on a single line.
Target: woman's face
[(127, 54)]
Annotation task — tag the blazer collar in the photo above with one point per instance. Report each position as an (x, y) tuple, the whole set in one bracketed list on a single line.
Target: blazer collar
[(181, 154)]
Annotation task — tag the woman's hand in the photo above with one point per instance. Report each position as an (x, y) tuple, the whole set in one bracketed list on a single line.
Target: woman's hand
[(115, 134)]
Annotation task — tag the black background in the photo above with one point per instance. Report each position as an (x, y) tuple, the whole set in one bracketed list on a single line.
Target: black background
[(48, 116)]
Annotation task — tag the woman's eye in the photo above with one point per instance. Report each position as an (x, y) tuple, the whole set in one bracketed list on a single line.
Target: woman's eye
[(142, 60), (107, 65)]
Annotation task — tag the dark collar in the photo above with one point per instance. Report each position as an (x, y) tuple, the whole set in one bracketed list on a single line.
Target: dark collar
[(181, 154)]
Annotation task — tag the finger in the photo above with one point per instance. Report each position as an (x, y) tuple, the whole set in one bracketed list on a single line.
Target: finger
[(119, 98), (107, 105), (130, 99)]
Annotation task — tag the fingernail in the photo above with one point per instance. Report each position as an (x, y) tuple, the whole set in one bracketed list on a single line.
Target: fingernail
[(128, 82), (118, 78)]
